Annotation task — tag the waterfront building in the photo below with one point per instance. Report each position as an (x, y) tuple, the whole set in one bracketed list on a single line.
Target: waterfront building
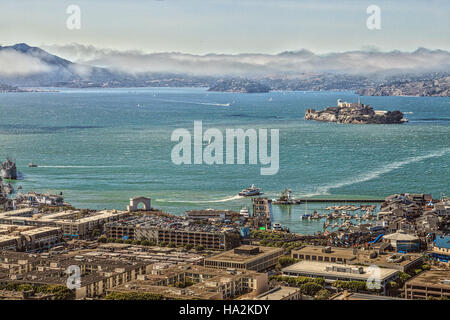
[(246, 257), (74, 223), (210, 214), (174, 230), (28, 238), (428, 284), (403, 242), (262, 213)]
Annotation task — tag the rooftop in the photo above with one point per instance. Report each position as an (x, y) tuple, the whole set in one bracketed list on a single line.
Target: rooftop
[(432, 278), (235, 256), (320, 269)]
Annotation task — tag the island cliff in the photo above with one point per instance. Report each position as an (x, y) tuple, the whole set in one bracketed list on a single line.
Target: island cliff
[(355, 113)]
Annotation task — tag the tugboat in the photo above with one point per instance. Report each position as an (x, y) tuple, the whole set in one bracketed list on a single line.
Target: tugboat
[(9, 170), (252, 191)]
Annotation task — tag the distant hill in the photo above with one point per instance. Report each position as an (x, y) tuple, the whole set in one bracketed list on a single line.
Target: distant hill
[(58, 71), (439, 87), (22, 65), (240, 86)]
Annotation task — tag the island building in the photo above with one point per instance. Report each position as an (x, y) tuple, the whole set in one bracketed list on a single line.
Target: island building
[(331, 272), (397, 261), (441, 250), (196, 282), (175, 230), (428, 284), (262, 216), (246, 257)]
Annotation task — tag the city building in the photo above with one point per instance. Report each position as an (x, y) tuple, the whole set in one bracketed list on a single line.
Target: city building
[(74, 223), (28, 238), (210, 214), (246, 257), (428, 284), (331, 272), (262, 213), (402, 241), (398, 261), (281, 293), (441, 250), (175, 230), (97, 275), (196, 282)]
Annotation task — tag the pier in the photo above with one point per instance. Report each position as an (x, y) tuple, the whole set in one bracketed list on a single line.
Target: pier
[(300, 201)]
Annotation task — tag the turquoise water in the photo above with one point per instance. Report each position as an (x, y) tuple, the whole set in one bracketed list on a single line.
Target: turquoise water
[(100, 149)]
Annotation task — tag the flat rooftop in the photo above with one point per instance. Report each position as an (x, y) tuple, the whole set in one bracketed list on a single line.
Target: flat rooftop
[(432, 278), (319, 269), (230, 255), (277, 293)]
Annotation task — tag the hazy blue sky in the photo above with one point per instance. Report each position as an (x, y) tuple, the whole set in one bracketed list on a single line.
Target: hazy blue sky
[(229, 26)]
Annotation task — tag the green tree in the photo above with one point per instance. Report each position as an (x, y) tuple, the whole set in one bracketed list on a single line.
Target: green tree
[(322, 294), (310, 288)]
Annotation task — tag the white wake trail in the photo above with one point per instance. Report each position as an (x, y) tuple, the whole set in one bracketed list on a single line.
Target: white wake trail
[(80, 166), (378, 172), (236, 197)]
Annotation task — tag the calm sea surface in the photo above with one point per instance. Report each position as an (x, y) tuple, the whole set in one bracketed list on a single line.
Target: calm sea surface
[(100, 149)]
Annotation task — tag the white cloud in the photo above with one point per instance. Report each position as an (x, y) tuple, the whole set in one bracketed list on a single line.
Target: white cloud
[(14, 63), (286, 63)]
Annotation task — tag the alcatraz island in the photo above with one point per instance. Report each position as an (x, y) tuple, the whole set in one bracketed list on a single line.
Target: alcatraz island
[(355, 113)]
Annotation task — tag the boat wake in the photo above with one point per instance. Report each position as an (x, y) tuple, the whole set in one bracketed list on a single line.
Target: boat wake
[(236, 197), (195, 102), (324, 190), (81, 166)]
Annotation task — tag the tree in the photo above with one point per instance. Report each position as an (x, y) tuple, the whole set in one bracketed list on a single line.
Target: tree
[(102, 239), (310, 288), (188, 246), (199, 248), (323, 294), (286, 261)]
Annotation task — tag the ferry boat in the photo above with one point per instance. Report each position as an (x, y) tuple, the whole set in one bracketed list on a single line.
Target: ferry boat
[(252, 191), (244, 212)]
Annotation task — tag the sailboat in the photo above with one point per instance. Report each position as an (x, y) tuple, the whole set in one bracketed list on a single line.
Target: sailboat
[(306, 215)]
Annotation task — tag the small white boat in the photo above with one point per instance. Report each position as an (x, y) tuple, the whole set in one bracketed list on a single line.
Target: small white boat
[(244, 212), (276, 226)]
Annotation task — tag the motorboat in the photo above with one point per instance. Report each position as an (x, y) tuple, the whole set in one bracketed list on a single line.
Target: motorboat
[(252, 191), (244, 212)]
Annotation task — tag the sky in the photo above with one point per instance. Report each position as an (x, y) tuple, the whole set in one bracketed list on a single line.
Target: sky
[(228, 26)]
